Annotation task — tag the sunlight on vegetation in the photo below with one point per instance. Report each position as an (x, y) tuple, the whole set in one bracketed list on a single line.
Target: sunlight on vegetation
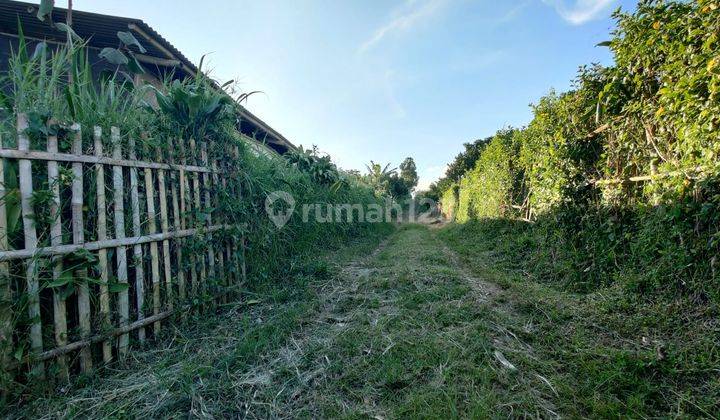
[(575, 273)]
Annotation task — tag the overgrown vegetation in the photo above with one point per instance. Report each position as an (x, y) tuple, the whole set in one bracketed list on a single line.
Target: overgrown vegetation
[(388, 182), (570, 171), (55, 86), (613, 191), (213, 365), (606, 354)]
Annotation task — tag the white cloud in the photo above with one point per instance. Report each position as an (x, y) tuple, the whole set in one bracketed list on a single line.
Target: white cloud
[(414, 12), (511, 14), (580, 11)]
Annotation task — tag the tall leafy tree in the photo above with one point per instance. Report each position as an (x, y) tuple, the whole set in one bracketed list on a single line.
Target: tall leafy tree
[(408, 173)]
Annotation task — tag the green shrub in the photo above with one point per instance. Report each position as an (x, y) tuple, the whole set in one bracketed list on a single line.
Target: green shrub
[(656, 112)]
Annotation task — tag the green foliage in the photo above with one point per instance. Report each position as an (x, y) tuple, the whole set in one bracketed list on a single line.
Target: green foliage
[(656, 113), (320, 168), (486, 190), (387, 182), (449, 202), (623, 353), (408, 173), (55, 87), (194, 106)]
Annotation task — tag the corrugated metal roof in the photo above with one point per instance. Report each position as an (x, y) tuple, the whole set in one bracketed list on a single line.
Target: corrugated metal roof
[(100, 31)]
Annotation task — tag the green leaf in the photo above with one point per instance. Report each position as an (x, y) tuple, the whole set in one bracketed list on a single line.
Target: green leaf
[(46, 7), (40, 50), (67, 291), (70, 102), (65, 278), (18, 354), (118, 287), (113, 56), (68, 30), (134, 66), (604, 44), (129, 39)]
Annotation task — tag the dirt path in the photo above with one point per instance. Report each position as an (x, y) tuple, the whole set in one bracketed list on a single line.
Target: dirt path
[(407, 331), (402, 329)]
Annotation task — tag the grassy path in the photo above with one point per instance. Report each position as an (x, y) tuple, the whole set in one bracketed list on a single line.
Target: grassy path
[(399, 329)]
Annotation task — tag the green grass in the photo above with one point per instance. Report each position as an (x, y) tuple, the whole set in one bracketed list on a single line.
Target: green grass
[(196, 367), (610, 353), (412, 328)]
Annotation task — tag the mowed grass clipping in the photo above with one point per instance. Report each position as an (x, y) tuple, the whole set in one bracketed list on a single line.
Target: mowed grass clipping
[(609, 353), (200, 367), (426, 324)]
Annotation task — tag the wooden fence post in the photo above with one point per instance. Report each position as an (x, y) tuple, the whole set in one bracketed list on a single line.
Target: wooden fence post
[(243, 268), (31, 242), (185, 206), (154, 260), (102, 235), (198, 209), (164, 229), (121, 255), (208, 217), (6, 301), (174, 183), (59, 307), (138, 261), (225, 279), (78, 228)]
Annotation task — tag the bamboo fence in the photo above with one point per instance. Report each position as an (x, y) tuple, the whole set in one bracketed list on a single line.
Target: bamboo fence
[(146, 213)]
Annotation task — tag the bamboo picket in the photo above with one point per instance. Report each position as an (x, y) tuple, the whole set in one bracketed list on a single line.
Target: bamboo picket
[(179, 194), (78, 229), (198, 210), (6, 310), (208, 216), (137, 248), (59, 305), (102, 236), (154, 261), (164, 228), (120, 251), (31, 242), (176, 181)]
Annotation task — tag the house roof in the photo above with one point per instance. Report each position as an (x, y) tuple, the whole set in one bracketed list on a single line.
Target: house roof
[(100, 31)]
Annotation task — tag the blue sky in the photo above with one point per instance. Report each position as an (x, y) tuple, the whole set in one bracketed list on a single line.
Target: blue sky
[(383, 80)]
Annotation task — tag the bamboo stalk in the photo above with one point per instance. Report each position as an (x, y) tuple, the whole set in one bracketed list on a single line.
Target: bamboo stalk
[(47, 251), (31, 242), (73, 158), (102, 236), (6, 309), (221, 248), (121, 254), (78, 228), (185, 207), (59, 307), (198, 207), (208, 218), (120, 331), (241, 256), (154, 260), (165, 243), (174, 182), (137, 248), (50, 354), (644, 178)]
